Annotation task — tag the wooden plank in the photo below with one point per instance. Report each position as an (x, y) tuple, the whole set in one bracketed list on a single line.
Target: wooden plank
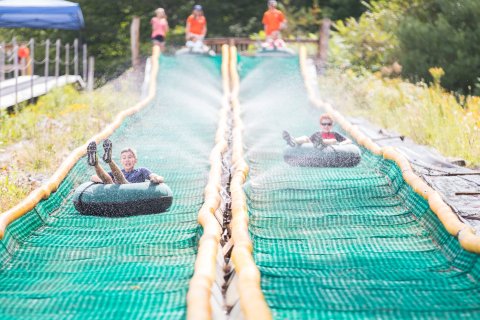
[(323, 38), (135, 41), (25, 91)]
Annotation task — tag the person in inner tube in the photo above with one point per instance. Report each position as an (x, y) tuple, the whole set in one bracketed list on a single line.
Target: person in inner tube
[(128, 159), (322, 138), (196, 28)]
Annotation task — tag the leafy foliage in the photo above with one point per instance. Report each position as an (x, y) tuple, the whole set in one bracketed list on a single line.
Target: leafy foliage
[(425, 113), (370, 41), (420, 34), (107, 24), (341, 9), (446, 34), (35, 140)]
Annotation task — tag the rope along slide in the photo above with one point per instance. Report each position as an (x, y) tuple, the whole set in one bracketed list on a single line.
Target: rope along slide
[(57, 264), (340, 242)]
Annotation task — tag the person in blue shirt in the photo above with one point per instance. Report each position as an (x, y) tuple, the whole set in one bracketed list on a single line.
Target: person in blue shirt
[(128, 159)]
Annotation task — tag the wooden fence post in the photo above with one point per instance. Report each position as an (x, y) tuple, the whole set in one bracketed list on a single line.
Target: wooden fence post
[(91, 73), (57, 61), (31, 68), (47, 60), (322, 52), (75, 56), (135, 41), (84, 63)]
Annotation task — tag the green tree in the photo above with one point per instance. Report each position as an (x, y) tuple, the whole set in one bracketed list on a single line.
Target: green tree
[(107, 24), (370, 41), (446, 34), (341, 9)]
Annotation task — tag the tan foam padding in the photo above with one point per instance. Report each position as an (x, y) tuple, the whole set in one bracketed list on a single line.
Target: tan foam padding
[(199, 296), (252, 300)]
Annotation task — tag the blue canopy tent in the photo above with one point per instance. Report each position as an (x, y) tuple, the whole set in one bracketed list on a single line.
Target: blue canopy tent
[(41, 14)]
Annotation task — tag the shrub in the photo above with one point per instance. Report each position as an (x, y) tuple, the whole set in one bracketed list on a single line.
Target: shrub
[(37, 138), (442, 33), (425, 113), (368, 42)]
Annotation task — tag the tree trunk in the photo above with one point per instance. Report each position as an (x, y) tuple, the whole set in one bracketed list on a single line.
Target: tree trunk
[(322, 53), (135, 41)]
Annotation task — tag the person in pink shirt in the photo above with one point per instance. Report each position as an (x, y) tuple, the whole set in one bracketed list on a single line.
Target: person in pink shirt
[(159, 28)]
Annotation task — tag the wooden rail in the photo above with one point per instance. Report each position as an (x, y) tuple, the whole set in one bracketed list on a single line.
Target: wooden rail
[(243, 44), (12, 66)]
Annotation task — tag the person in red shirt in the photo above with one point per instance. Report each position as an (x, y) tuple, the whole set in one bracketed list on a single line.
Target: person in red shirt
[(321, 138), (159, 28), (273, 21), (196, 28), (23, 52)]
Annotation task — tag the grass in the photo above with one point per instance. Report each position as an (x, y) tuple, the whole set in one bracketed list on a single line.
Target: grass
[(10, 188), (423, 112), (36, 139)]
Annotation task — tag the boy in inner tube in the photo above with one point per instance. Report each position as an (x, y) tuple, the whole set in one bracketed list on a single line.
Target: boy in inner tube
[(128, 159), (321, 139)]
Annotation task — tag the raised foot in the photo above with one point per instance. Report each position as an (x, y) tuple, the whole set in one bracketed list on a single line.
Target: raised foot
[(287, 137), (107, 148), (92, 153)]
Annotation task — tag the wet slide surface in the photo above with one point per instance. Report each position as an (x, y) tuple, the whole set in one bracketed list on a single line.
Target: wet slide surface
[(58, 264), (341, 243)]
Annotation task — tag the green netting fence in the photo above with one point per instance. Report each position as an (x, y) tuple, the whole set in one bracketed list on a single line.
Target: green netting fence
[(341, 243), (58, 264)]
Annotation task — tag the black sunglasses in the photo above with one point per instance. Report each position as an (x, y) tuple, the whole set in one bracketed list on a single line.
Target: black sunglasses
[(326, 124)]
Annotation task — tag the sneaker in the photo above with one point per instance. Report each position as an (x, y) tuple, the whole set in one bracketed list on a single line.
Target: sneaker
[(107, 148), (92, 153), (287, 137), (317, 141)]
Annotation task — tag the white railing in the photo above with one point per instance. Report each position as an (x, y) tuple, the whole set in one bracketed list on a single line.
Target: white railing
[(12, 66)]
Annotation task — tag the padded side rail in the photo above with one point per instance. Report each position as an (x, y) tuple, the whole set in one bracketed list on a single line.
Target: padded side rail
[(200, 289), (252, 300)]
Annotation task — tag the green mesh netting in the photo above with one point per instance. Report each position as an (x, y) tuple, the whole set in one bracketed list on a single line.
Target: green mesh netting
[(57, 264), (341, 243)]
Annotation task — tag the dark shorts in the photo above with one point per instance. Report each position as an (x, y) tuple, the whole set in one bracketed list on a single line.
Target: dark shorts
[(158, 38)]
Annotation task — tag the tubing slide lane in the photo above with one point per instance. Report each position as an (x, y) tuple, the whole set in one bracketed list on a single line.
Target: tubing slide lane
[(372, 241), (57, 264)]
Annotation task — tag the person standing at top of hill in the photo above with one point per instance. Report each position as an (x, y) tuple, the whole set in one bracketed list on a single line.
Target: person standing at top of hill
[(159, 28), (196, 28), (273, 21)]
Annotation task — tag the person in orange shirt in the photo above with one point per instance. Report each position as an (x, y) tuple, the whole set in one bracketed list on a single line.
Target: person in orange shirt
[(196, 25), (274, 21), (23, 54)]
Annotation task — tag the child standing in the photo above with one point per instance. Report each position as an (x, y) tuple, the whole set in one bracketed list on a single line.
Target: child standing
[(273, 21), (159, 28)]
